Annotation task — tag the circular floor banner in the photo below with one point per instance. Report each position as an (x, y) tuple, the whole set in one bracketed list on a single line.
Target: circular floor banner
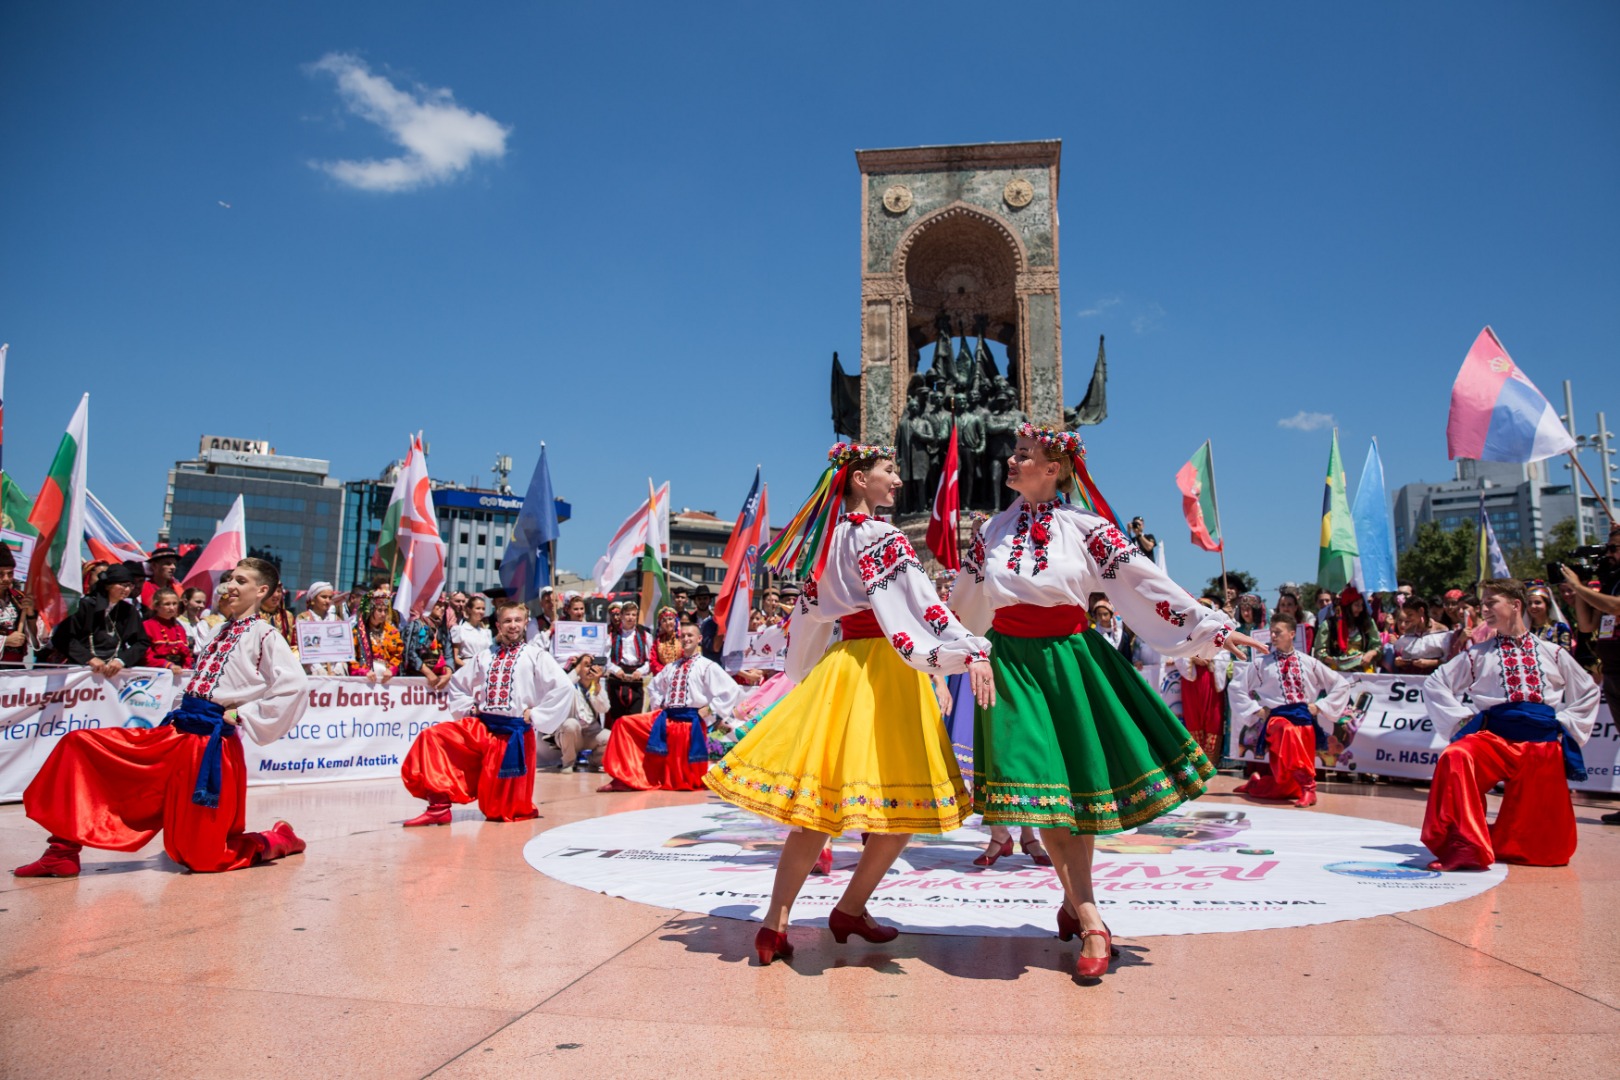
[(1193, 872)]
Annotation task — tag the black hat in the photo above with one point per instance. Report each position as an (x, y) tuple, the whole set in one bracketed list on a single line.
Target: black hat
[(702, 590), (789, 588), (163, 551), (8, 560), (121, 574)]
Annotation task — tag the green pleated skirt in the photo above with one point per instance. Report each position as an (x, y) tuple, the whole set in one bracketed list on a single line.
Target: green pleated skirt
[(1078, 739)]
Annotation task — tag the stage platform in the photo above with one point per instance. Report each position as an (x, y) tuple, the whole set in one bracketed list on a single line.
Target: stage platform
[(383, 952)]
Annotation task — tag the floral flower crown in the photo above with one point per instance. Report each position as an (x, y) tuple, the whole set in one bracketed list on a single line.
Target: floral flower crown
[(843, 453), (1064, 442)]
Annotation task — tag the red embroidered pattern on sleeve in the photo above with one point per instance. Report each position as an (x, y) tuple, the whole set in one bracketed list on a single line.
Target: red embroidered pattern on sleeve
[(903, 644), (1109, 550), (1170, 615), (937, 618), (884, 560)]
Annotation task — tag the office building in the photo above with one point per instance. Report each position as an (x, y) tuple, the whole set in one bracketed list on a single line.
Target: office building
[(292, 509), (1523, 503)]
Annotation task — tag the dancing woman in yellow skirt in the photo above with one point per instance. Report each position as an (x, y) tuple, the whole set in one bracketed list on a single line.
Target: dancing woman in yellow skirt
[(859, 743)]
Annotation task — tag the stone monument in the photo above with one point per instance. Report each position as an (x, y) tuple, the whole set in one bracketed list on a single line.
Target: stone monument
[(956, 241)]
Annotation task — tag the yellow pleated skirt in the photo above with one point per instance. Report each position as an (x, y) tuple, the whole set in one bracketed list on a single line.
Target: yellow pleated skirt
[(859, 745)]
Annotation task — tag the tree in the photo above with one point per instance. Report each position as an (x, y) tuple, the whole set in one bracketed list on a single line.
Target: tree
[(1526, 565), (1439, 560), (1237, 579)]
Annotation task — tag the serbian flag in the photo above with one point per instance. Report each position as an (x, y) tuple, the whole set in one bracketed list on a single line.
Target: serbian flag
[(58, 518), (943, 523), (1196, 479), (224, 551), (1497, 414), (421, 577), (109, 541)]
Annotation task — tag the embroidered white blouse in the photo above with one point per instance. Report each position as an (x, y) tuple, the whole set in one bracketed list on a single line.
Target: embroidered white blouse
[(512, 682), (871, 566), (251, 669), (1055, 554), (1512, 669), (695, 683), (1279, 679)]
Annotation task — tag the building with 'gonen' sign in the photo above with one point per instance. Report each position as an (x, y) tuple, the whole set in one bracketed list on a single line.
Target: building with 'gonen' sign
[(292, 508)]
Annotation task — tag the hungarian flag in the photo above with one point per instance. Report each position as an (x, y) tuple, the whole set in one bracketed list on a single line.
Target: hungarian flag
[(58, 518), (1336, 563), (107, 538), (1196, 479), (742, 557), (947, 515), (227, 548), (389, 552), (628, 543), (418, 545), (1497, 414)]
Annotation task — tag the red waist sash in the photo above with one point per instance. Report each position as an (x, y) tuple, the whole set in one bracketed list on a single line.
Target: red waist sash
[(1028, 621), (863, 624)]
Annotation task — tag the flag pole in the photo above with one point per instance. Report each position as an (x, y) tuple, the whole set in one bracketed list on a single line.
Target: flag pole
[(1600, 500), (1215, 501)]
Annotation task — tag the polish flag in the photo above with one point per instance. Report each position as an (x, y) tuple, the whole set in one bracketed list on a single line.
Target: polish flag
[(224, 551), (947, 515)]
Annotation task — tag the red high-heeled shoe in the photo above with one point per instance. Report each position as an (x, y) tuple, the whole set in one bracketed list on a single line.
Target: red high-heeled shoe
[(1095, 967), (1040, 857), (1068, 925), (824, 863), (861, 925), (769, 945), (988, 859)]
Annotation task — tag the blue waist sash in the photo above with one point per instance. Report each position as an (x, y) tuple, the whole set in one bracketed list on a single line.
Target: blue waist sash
[(514, 762), (697, 748), (199, 716), (1528, 721), (1297, 713)]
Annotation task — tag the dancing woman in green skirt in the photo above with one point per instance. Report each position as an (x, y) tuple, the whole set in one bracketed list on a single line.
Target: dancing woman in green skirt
[(1077, 742)]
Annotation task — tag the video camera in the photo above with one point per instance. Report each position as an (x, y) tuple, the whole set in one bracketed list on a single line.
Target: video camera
[(1588, 562)]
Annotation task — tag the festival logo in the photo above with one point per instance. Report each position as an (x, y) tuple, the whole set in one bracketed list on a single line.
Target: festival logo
[(1193, 872), (139, 699)]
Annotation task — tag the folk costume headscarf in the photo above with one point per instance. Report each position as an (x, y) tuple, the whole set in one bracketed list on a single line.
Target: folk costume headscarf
[(1068, 443)]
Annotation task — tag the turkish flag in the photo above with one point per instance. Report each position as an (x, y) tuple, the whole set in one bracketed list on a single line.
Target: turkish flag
[(942, 524)]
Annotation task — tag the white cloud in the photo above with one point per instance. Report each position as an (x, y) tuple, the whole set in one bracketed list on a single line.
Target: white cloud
[(1307, 421), (440, 138), (1102, 304), (1148, 319)]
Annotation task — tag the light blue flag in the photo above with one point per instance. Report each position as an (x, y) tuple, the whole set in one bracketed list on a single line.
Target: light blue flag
[(526, 566), (1375, 527)]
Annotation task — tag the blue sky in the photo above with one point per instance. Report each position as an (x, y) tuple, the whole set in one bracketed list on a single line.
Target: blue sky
[(632, 230)]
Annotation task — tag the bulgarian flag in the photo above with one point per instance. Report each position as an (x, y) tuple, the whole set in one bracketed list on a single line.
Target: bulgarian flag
[(654, 583), (389, 554), (1336, 562), (58, 518), (1196, 479)]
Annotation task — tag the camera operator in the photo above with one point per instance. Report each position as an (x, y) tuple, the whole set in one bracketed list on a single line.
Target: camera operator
[(1597, 614)]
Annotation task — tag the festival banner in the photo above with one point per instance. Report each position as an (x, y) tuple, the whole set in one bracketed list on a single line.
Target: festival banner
[(352, 730), (1389, 733)]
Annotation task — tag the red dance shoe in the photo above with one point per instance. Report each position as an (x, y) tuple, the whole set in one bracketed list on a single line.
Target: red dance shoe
[(1039, 856), (769, 945), (989, 858), (280, 841), (1068, 925), (437, 813), (1095, 967), (1306, 798), (823, 865), (1462, 868), (1243, 788), (861, 925), (61, 859)]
